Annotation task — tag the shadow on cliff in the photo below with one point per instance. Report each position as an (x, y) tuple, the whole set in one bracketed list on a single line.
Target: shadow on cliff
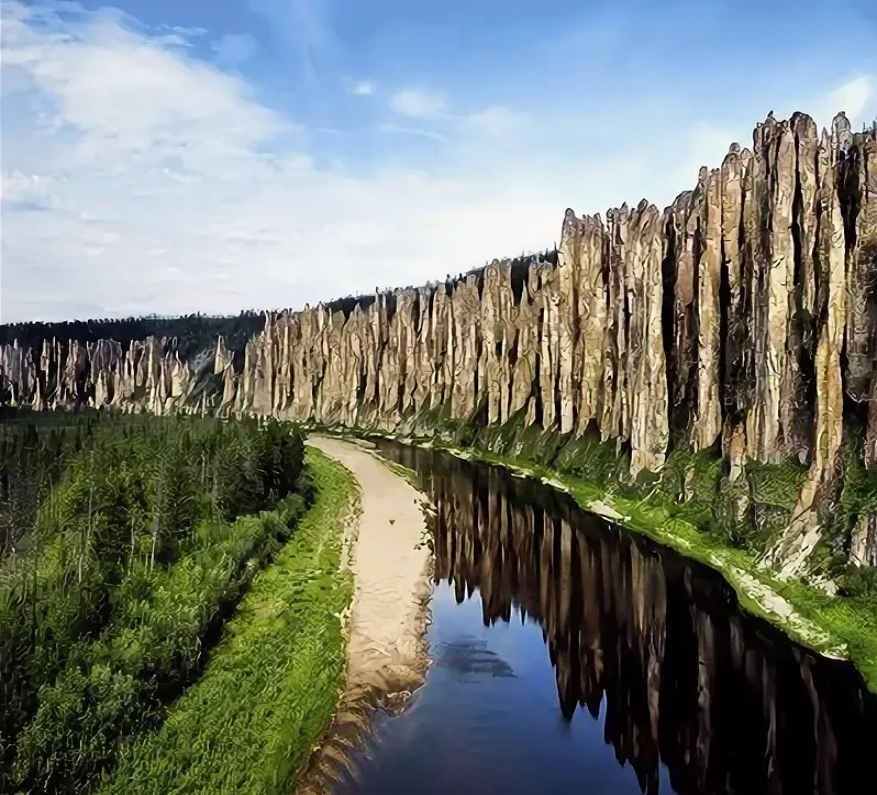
[(724, 700)]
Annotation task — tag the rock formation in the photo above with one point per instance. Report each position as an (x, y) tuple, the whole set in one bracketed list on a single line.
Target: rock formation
[(645, 638), (742, 318)]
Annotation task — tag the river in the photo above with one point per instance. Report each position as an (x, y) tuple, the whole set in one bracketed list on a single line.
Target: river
[(570, 655)]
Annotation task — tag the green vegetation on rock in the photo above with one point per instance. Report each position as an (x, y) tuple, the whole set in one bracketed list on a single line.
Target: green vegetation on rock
[(693, 506)]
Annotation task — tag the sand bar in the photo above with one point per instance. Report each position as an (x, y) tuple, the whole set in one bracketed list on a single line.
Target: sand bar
[(386, 649)]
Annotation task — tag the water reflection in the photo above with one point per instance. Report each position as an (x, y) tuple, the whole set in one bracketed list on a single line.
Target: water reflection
[(470, 656), (657, 642)]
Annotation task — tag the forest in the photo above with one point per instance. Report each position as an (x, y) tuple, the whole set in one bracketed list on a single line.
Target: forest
[(127, 543), (194, 333)]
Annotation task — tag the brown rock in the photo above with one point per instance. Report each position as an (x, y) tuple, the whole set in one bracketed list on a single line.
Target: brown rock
[(728, 316)]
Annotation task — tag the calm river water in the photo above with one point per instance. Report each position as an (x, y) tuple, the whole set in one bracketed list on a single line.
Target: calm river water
[(571, 656)]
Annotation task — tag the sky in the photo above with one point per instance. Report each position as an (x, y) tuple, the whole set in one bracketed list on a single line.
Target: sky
[(175, 156)]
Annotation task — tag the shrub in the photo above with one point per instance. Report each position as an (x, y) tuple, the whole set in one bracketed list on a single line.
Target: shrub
[(145, 514)]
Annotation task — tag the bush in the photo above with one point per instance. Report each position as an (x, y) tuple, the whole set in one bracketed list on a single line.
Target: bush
[(120, 683), (143, 515), (251, 720), (861, 582)]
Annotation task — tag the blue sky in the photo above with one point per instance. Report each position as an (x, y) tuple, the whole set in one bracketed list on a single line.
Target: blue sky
[(214, 155)]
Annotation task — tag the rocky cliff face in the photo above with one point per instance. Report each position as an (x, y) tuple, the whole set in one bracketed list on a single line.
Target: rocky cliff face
[(743, 317), (645, 638)]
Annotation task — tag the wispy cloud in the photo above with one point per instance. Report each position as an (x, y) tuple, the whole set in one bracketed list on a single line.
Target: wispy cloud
[(235, 48), (496, 121), (301, 26), (418, 103), (392, 127), (854, 97), (364, 88), (27, 191), (138, 177)]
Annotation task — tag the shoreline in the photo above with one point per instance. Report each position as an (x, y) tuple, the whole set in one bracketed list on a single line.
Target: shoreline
[(249, 722), (386, 657), (794, 607)]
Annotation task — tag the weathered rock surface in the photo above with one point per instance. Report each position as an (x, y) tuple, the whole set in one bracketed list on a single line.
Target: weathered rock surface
[(642, 638), (742, 317)]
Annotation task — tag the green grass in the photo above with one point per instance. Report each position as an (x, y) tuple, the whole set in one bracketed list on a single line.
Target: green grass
[(591, 471), (249, 724), (122, 576), (837, 621), (118, 685), (852, 618), (405, 473)]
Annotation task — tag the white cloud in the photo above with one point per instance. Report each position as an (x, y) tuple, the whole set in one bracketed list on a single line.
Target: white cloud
[(857, 98), (119, 90), (235, 48), (138, 179), (709, 142), (391, 127), (364, 88), (190, 31), (27, 189), (158, 190), (496, 120), (420, 103)]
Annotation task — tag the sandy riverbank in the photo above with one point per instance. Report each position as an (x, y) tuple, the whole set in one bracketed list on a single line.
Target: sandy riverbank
[(386, 649)]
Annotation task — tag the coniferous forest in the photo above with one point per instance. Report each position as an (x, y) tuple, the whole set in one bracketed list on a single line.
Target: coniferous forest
[(126, 544)]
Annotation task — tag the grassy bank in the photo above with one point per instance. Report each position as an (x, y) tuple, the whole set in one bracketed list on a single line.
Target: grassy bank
[(837, 626), (250, 722), (121, 581), (690, 508)]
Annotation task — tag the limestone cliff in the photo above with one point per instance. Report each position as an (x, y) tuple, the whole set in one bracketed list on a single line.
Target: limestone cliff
[(743, 318)]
